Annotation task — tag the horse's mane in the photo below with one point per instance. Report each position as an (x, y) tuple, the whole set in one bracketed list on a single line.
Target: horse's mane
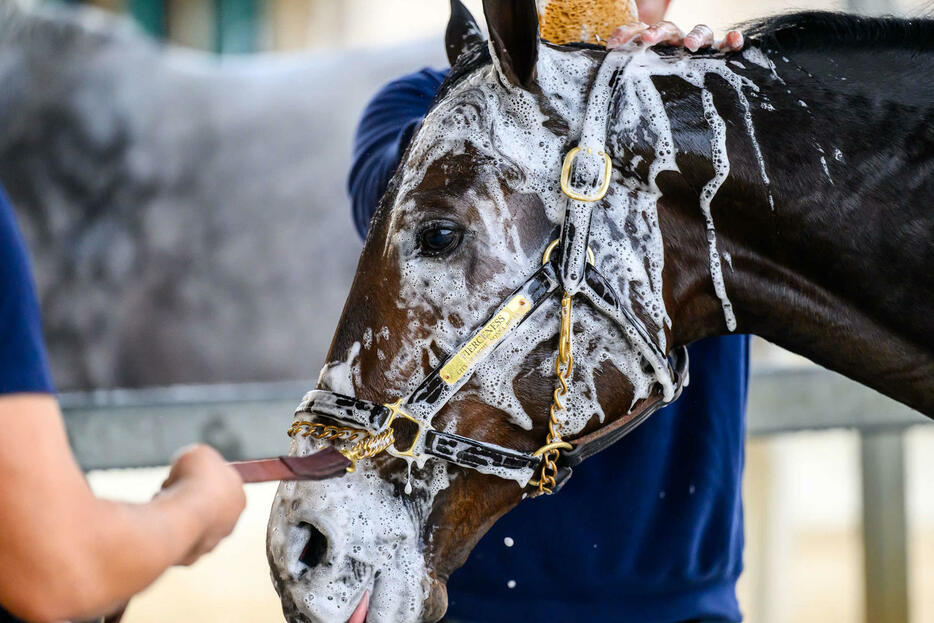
[(815, 30)]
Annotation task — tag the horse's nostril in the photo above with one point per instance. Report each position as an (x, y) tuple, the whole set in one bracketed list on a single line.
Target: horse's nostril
[(315, 548)]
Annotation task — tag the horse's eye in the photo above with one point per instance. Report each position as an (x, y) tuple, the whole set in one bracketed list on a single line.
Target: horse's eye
[(439, 239)]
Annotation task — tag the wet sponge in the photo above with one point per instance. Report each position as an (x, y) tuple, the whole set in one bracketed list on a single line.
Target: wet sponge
[(568, 21)]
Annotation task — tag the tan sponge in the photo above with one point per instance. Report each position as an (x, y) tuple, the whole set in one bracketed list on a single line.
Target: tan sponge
[(568, 21)]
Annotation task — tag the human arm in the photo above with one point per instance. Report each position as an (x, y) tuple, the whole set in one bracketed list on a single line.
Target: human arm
[(65, 553), (383, 132)]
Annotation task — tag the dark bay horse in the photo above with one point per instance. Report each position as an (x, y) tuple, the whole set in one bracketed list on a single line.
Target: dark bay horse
[(783, 191)]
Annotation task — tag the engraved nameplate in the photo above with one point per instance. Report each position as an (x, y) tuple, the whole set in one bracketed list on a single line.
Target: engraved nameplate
[(485, 338)]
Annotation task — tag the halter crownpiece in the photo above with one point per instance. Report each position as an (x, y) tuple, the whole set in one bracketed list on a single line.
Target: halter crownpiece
[(568, 269)]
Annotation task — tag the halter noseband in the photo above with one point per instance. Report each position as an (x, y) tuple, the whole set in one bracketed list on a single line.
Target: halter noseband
[(571, 271)]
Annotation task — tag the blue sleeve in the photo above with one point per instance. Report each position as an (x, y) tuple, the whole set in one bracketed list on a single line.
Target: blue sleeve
[(23, 366), (382, 136)]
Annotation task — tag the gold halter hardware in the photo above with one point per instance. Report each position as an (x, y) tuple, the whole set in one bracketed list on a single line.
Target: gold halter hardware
[(365, 444), (397, 412), (564, 367), (564, 362), (553, 245), (566, 176)]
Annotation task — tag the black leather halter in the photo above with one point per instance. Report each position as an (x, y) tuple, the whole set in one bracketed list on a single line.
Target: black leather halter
[(567, 271)]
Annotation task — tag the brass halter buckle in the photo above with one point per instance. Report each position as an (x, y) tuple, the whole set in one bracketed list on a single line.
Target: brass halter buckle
[(566, 176)]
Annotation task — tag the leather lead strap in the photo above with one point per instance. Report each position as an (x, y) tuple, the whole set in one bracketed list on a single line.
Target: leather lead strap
[(324, 464), (603, 438)]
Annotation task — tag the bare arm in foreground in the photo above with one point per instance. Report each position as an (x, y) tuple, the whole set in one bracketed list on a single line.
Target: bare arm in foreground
[(65, 553)]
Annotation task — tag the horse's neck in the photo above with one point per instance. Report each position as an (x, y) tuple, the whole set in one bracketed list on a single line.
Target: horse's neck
[(839, 270)]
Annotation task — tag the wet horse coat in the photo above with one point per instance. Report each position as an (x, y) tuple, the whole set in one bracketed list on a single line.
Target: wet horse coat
[(719, 218)]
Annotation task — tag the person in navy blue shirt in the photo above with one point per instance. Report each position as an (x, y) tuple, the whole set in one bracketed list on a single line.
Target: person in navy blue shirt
[(65, 554), (650, 530)]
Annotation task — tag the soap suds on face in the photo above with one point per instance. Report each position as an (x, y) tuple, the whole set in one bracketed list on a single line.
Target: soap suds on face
[(373, 541), (339, 376), (374, 524)]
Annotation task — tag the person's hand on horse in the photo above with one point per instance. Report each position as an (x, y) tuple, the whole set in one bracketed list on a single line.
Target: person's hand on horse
[(667, 33), (201, 474)]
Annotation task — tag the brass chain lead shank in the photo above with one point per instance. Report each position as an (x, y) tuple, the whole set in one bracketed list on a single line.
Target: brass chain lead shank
[(564, 367), (366, 445)]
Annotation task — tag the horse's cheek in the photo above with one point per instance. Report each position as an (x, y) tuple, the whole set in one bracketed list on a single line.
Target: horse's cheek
[(462, 514)]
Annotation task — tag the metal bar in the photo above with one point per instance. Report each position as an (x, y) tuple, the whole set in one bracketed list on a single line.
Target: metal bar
[(812, 398), (871, 7), (884, 527), (145, 427)]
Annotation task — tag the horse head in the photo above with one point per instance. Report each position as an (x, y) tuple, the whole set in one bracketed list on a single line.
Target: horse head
[(458, 321), (465, 222)]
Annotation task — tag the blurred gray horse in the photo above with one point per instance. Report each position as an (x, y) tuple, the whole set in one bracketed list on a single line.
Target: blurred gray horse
[(186, 214)]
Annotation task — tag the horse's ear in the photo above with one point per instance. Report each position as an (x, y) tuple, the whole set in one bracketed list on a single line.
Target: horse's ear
[(463, 34), (513, 28)]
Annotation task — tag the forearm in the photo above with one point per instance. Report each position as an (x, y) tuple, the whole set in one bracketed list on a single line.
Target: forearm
[(97, 559), (130, 547), (63, 552)]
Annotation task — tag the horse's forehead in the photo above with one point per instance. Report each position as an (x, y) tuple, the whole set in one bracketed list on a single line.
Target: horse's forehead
[(503, 129)]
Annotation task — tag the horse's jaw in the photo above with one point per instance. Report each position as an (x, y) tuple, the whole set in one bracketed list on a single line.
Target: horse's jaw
[(363, 536)]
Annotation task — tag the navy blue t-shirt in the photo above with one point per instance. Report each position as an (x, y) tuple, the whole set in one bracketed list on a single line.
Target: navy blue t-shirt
[(23, 365), (648, 531), (22, 351)]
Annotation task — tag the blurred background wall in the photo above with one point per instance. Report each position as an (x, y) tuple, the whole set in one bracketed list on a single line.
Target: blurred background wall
[(185, 208), (232, 26)]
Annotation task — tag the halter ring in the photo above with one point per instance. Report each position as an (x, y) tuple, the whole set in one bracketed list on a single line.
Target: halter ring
[(396, 411), (566, 176), (553, 245), (554, 445)]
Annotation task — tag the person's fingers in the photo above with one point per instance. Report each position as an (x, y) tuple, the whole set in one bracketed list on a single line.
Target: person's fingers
[(652, 11), (624, 34), (667, 33), (662, 33), (699, 37), (732, 42)]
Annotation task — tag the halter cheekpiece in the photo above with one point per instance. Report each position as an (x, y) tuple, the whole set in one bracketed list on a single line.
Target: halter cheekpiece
[(568, 267)]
